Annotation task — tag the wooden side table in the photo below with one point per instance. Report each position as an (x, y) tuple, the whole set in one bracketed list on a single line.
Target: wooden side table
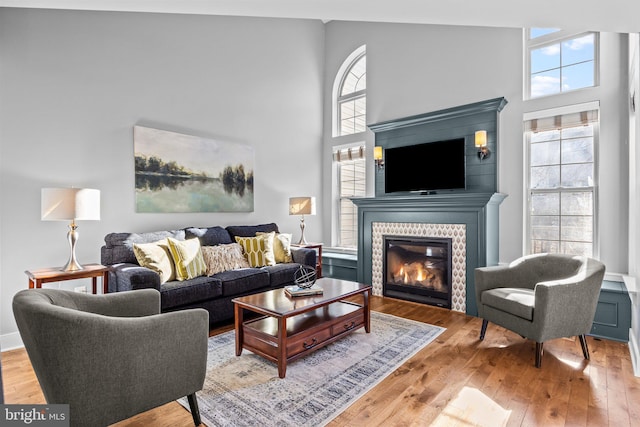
[(318, 249), (54, 274)]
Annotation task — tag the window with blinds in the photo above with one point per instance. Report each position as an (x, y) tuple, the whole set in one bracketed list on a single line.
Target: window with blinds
[(562, 182), (351, 181)]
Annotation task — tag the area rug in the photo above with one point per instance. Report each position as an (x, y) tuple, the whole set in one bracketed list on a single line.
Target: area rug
[(246, 391)]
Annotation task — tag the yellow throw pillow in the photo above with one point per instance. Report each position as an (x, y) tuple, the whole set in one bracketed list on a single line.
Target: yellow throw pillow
[(258, 250), (156, 256), (187, 258), (281, 247)]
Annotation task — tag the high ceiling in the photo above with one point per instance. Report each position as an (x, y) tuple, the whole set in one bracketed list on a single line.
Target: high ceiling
[(598, 15)]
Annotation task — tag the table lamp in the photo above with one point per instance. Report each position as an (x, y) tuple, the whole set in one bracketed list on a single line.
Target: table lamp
[(302, 206), (70, 204)]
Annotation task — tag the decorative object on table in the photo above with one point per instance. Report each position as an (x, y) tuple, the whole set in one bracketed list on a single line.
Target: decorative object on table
[(317, 388), (183, 173), (305, 277), (70, 204), (302, 206), (296, 291)]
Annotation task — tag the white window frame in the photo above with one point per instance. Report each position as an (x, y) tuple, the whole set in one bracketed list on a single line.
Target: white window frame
[(337, 99), (527, 240), (361, 156), (555, 38)]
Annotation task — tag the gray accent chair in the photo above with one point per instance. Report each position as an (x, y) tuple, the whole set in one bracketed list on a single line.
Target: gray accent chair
[(541, 297), (112, 356)]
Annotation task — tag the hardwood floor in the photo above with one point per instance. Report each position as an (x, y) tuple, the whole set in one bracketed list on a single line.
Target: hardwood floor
[(454, 381)]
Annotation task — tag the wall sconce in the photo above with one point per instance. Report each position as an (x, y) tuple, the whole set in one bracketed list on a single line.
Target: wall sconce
[(481, 144), (377, 157)]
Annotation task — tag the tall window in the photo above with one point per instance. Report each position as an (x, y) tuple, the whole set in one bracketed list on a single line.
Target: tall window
[(351, 181), (558, 62), (562, 181), (349, 123), (352, 97)]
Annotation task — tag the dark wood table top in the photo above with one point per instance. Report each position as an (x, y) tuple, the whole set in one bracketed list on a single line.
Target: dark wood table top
[(278, 304)]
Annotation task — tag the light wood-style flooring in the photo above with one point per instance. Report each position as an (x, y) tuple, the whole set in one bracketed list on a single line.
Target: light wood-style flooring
[(454, 381)]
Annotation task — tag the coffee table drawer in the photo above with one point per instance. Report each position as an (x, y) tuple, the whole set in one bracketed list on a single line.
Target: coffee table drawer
[(347, 323), (306, 342)]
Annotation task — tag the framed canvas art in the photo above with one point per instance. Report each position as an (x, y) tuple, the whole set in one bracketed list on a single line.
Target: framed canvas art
[(183, 173)]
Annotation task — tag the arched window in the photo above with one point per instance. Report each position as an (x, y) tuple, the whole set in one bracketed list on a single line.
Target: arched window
[(350, 95)]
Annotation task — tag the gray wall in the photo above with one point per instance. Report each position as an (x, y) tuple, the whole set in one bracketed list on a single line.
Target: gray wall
[(73, 85), (415, 69)]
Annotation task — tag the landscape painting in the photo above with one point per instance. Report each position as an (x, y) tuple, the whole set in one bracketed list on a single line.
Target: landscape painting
[(183, 173)]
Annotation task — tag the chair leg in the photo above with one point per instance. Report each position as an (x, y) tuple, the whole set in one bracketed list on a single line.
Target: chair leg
[(483, 330), (195, 411), (539, 353), (585, 347)]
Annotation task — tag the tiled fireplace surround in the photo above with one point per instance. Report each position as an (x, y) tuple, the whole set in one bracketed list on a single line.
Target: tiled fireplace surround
[(455, 232), (469, 217), (471, 220)]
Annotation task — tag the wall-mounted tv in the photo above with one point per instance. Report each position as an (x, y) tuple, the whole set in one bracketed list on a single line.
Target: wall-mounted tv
[(427, 167)]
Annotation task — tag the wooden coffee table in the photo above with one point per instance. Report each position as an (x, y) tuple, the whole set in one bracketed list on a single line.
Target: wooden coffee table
[(292, 327)]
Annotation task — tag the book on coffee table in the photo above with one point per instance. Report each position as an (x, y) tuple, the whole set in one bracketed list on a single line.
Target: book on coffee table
[(296, 291)]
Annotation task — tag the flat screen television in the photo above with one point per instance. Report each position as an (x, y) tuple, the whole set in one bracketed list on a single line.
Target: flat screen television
[(427, 167)]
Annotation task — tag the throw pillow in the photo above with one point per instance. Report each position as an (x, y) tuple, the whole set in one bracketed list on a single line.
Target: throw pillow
[(156, 256), (187, 257), (258, 250), (225, 257), (281, 247)]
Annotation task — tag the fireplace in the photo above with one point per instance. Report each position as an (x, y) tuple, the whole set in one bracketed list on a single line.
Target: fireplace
[(469, 217), (418, 269)]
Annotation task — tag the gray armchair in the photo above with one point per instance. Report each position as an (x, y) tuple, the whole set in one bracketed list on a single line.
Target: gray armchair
[(541, 297), (112, 356)]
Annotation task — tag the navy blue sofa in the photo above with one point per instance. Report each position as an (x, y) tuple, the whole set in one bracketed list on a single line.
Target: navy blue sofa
[(213, 293)]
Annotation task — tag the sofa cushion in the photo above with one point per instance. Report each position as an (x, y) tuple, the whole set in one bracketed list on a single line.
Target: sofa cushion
[(177, 293), (281, 274), (281, 246), (209, 236), (242, 281), (221, 258), (157, 257), (517, 301), (251, 230), (258, 249), (187, 258), (119, 246)]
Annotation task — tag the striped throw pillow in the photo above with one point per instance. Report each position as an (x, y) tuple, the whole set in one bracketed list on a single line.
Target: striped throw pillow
[(187, 257)]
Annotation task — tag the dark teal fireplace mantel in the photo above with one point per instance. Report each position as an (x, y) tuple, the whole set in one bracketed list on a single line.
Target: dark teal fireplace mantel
[(479, 212), (475, 206)]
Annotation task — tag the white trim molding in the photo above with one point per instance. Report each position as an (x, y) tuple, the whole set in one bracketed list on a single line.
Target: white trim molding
[(634, 349)]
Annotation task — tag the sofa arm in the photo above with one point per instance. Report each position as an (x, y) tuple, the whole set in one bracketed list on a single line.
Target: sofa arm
[(129, 277), (305, 256)]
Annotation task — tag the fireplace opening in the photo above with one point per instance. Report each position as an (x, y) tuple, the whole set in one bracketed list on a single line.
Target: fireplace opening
[(418, 269)]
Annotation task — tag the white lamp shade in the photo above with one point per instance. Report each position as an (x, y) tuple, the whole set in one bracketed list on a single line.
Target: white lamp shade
[(69, 204), (377, 152), (302, 206), (481, 138)]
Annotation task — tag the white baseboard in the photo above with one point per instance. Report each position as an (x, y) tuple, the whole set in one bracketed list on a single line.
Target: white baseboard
[(11, 341), (635, 353)]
